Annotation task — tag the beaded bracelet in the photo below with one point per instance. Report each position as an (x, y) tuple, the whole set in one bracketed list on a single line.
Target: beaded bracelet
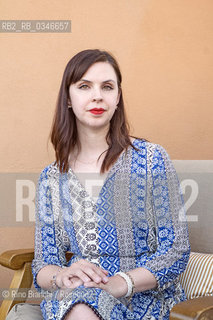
[(133, 285), (130, 284)]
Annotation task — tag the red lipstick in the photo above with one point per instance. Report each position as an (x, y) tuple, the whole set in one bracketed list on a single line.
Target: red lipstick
[(97, 110)]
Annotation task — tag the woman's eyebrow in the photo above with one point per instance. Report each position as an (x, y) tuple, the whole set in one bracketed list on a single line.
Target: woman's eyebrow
[(110, 80)]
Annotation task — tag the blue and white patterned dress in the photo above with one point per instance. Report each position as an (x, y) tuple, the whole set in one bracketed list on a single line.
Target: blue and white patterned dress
[(137, 221)]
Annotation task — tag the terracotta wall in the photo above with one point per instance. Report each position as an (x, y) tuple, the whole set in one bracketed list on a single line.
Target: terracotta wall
[(164, 49)]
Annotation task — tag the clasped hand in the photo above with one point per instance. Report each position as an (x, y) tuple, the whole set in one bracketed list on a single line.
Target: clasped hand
[(81, 272), (88, 274)]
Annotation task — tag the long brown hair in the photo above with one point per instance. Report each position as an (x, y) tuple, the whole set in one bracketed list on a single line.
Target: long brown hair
[(64, 135)]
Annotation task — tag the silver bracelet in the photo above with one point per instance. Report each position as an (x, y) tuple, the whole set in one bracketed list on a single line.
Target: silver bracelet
[(129, 283), (53, 281)]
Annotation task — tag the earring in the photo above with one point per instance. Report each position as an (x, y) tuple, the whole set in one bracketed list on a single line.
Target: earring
[(69, 106)]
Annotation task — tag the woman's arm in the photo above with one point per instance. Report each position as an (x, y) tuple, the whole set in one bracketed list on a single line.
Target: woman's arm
[(143, 279), (80, 272), (117, 286), (49, 261), (161, 268), (172, 251), (47, 233)]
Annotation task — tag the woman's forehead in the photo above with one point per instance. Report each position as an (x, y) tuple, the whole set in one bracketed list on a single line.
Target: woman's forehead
[(102, 71)]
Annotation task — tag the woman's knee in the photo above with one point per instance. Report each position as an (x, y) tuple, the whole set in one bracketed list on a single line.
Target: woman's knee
[(80, 312)]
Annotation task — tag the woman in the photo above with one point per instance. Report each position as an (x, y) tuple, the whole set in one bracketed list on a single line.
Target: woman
[(129, 246)]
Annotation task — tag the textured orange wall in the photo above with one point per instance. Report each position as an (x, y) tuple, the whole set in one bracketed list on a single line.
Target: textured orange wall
[(164, 49)]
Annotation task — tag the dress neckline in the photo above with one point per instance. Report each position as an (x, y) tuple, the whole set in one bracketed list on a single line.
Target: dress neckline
[(108, 174)]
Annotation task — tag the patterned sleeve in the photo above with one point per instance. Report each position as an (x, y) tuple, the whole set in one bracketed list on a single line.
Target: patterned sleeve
[(49, 248), (173, 249)]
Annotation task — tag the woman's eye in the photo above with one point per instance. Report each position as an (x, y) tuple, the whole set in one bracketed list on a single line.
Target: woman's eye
[(108, 87), (84, 86)]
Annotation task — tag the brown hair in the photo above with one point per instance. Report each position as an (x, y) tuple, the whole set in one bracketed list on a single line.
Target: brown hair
[(64, 135)]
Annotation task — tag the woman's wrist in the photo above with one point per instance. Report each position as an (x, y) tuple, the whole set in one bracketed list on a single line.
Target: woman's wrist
[(121, 285), (130, 285), (53, 283)]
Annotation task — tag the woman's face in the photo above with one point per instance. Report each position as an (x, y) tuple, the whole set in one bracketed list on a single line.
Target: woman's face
[(95, 96)]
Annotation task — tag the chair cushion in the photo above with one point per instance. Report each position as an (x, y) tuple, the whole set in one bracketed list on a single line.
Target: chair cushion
[(197, 279), (25, 311)]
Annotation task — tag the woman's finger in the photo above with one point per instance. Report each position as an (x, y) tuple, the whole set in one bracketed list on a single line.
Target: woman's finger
[(82, 275), (95, 274), (92, 284), (96, 268), (87, 271), (105, 271), (102, 273), (72, 283)]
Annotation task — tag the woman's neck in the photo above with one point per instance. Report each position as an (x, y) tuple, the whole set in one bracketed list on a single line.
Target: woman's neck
[(92, 145)]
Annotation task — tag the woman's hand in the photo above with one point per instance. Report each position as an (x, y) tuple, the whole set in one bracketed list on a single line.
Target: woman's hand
[(116, 286), (81, 272)]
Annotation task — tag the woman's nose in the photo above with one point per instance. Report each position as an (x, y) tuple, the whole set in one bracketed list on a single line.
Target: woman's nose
[(96, 95)]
